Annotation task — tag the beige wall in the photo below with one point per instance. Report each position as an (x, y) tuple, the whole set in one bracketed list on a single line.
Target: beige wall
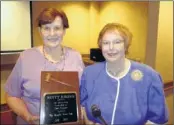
[(92, 16), (94, 11), (164, 53), (87, 18), (77, 36), (132, 14)]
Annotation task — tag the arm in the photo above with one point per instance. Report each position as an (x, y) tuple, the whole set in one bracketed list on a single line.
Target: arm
[(83, 99), (18, 106), (157, 110), (13, 88), (85, 118), (80, 65)]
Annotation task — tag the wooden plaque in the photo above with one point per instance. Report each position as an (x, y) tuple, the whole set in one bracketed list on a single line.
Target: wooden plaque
[(60, 102)]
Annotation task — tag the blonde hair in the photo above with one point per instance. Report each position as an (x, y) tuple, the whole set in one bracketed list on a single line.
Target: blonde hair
[(123, 30)]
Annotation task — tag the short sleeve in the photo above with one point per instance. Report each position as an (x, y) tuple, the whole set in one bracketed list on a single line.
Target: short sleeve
[(157, 110), (81, 66), (83, 90), (14, 81)]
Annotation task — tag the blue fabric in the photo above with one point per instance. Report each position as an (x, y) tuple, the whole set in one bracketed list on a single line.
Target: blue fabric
[(138, 100)]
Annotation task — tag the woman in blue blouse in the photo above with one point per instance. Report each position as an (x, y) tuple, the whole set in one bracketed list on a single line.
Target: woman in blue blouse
[(126, 92)]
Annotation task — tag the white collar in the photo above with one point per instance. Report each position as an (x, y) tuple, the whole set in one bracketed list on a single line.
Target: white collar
[(121, 75)]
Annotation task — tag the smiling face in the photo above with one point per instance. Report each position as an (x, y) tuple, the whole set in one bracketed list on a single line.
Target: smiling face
[(112, 45), (52, 33), (114, 40)]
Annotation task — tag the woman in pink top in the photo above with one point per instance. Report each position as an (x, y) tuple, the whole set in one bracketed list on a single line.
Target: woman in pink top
[(23, 85)]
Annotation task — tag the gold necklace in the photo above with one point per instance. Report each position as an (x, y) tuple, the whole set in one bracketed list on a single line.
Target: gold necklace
[(62, 58), (114, 73), (120, 72), (54, 62)]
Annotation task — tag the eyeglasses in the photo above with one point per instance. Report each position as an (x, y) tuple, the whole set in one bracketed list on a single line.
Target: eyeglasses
[(104, 42), (47, 29)]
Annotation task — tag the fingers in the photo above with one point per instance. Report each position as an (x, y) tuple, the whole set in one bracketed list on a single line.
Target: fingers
[(97, 124), (82, 113), (85, 118), (33, 118)]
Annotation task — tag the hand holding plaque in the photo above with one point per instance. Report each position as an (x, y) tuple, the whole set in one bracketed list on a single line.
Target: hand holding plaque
[(60, 102)]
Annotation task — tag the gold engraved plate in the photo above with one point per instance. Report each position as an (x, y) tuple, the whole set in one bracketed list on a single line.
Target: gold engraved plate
[(60, 99)]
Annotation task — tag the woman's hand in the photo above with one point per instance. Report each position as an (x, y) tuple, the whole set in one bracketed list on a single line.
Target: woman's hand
[(18, 106), (34, 120), (85, 118)]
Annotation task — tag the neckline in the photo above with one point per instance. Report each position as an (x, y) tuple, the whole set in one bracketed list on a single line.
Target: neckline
[(40, 50), (122, 76)]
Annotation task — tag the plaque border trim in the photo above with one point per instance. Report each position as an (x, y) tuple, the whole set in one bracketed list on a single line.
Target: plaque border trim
[(49, 93)]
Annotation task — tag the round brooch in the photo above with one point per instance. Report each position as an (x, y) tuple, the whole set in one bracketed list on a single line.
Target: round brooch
[(137, 75)]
